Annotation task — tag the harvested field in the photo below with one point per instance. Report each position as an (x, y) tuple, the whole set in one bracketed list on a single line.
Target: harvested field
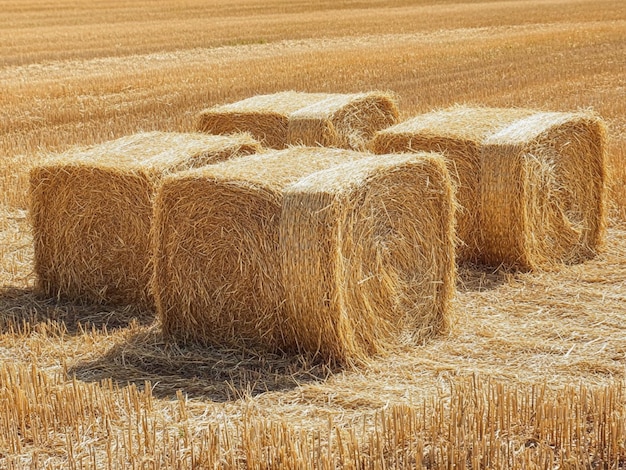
[(314, 119), (91, 211), (530, 373), (540, 427), (531, 185)]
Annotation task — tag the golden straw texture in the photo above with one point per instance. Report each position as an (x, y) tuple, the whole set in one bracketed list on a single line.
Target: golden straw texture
[(91, 211), (548, 207), (345, 121), (516, 205), (287, 118), (368, 255)]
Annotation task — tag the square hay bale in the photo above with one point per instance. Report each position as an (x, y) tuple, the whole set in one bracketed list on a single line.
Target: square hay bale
[(368, 256), (238, 245), (91, 211), (533, 202), (345, 121), (294, 118)]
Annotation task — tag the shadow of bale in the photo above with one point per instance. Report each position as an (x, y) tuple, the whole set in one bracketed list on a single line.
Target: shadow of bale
[(216, 374), (23, 308), (474, 278)]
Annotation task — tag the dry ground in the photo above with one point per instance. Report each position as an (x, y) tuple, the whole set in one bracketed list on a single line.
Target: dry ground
[(73, 379)]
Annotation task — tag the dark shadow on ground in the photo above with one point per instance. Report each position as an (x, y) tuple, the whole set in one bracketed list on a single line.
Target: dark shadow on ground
[(476, 278), (20, 307), (217, 374)]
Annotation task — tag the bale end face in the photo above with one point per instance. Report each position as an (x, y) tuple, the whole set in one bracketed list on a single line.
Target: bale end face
[(368, 256), (215, 255), (88, 246)]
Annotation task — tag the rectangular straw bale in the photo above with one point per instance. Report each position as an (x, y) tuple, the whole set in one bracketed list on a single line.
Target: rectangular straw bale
[(344, 121), (266, 117), (557, 146), (294, 118), (368, 256), (91, 211), (218, 277)]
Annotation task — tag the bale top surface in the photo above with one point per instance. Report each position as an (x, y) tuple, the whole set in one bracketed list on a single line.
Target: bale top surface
[(285, 102), (533, 126), (294, 102), (277, 168), (333, 103), (460, 122), (156, 151), (345, 177)]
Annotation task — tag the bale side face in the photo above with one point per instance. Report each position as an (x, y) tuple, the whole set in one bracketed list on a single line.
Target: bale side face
[(368, 264), (91, 212), (217, 257), (548, 207), (88, 245), (215, 264), (267, 127)]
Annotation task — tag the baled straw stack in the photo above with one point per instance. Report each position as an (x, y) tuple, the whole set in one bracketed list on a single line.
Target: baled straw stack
[(537, 203), (289, 118), (368, 255), (230, 248), (92, 209)]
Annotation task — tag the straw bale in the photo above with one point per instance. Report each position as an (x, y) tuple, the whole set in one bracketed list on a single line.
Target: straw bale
[(91, 211), (457, 133), (465, 135), (368, 255), (287, 118)]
